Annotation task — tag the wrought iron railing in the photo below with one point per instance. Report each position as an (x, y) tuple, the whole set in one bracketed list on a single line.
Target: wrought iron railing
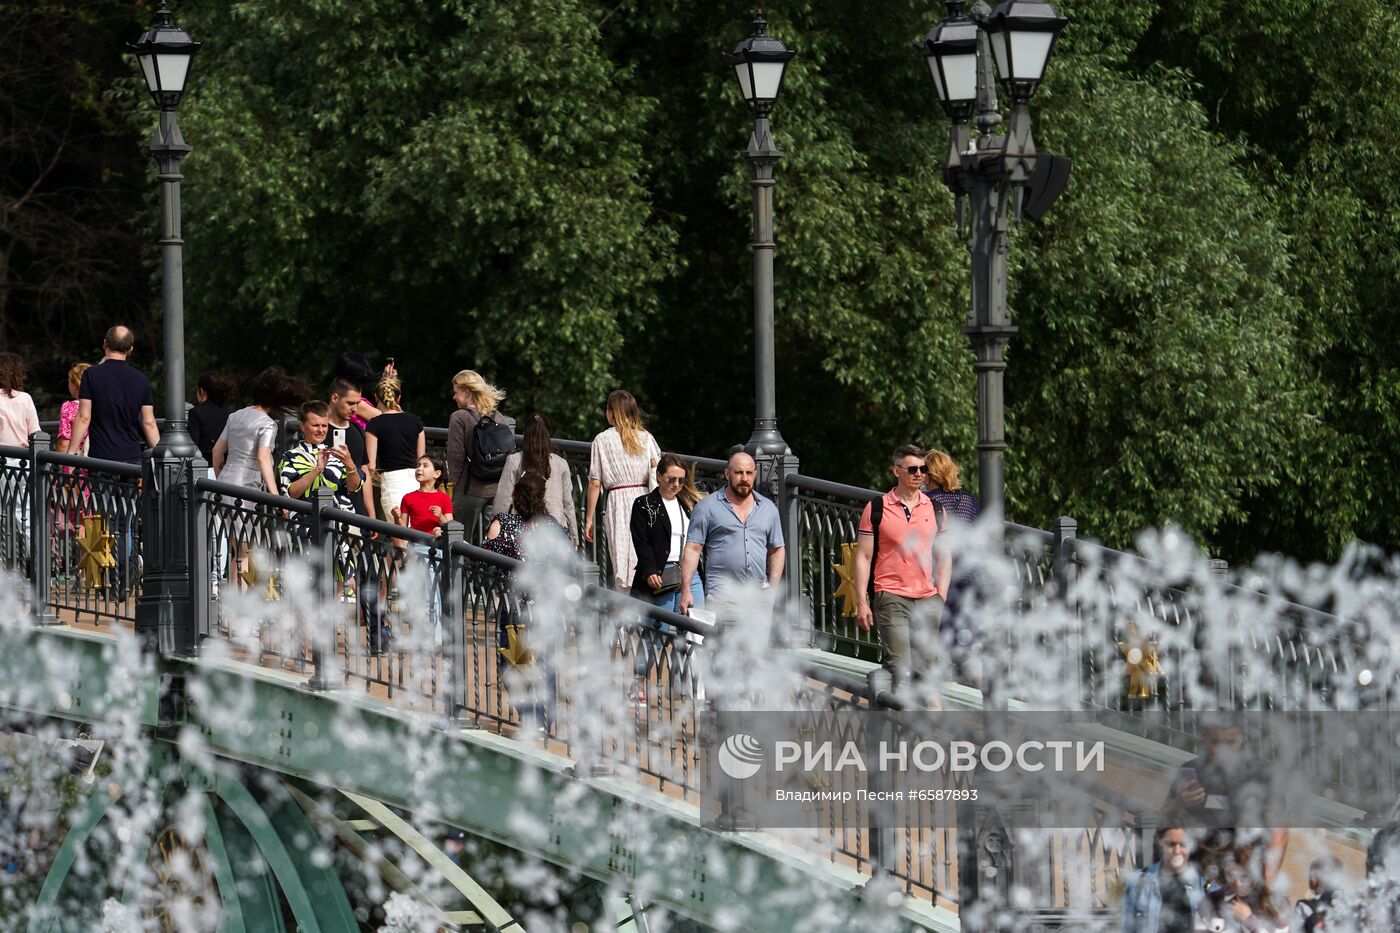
[(73, 526), (463, 651), (476, 673)]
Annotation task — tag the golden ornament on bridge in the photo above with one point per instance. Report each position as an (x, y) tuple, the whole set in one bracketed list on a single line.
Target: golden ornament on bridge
[(515, 650), (250, 579), (96, 543), (1141, 665), (846, 571)]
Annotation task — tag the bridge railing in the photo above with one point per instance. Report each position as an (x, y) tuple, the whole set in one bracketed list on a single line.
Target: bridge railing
[(1069, 874), (1219, 646), (1307, 656), (477, 674), (476, 648), (57, 509)]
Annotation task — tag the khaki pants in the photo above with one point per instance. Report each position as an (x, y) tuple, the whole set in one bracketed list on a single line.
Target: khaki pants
[(908, 630)]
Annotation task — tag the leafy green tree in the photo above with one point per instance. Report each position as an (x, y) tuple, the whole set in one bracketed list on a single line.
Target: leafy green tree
[(1319, 128), (1156, 377), (457, 185), (72, 181), (553, 192)]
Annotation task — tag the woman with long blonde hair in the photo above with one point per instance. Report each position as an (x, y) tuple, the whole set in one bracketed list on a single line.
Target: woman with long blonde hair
[(472, 490), (623, 464)]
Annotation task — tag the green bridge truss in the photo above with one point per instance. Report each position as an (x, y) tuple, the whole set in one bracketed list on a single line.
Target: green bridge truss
[(257, 748)]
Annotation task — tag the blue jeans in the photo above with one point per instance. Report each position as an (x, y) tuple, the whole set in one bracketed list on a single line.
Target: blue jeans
[(646, 662), (672, 600)]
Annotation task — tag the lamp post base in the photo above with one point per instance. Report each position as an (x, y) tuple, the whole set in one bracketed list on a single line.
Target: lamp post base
[(766, 441), (772, 456), (170, 589)]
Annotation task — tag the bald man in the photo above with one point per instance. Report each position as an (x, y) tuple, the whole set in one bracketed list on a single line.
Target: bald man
[(739, 532), (115, 402), (116, 408)]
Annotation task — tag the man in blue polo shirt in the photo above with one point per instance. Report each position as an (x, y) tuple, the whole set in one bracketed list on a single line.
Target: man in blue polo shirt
[(739, 533)]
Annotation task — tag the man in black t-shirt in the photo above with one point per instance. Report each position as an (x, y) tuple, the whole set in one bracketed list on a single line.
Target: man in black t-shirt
[(115, 404), (116, 409)]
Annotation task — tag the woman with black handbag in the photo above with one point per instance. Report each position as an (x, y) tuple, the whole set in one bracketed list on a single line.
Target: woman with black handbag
[(660, 520)]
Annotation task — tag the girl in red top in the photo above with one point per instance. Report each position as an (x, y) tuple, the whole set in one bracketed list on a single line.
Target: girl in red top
[(429, 508)]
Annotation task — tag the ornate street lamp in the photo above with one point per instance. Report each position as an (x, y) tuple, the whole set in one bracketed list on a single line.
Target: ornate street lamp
[(1023, 34), (760, 62), (169, 583), (997, 175), (164, 52)]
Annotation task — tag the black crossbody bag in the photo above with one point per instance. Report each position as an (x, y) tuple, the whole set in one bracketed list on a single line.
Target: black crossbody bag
[(671, 576)]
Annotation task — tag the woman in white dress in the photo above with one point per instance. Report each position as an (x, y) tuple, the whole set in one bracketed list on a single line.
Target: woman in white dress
[(624, 465)]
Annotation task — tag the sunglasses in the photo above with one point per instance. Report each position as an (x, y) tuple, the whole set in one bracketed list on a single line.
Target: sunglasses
[(916, 470), (673, 480)]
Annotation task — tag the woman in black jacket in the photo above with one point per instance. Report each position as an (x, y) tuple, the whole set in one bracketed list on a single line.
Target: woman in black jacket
[(659, 523)]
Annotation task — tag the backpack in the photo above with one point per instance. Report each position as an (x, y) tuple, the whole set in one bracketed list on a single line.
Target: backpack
[(877, 512), (492, 442)]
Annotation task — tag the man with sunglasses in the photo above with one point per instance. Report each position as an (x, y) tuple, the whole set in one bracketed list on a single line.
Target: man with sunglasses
[(901, 575)]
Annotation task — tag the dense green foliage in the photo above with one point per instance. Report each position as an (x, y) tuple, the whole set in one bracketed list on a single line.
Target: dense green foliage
[(72, 187), (551, 191)]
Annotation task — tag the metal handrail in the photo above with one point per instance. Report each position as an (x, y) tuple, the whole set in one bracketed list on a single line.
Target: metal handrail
[(1093, 552), (377, 526), (625, 603), (915, 874), (828, 488), (114, 467), (248, 493)]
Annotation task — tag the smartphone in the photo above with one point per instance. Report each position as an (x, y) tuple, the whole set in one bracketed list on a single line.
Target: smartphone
[(388, 361), (337, 437)]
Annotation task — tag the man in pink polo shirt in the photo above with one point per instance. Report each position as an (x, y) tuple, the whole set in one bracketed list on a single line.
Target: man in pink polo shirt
[(911, 574)]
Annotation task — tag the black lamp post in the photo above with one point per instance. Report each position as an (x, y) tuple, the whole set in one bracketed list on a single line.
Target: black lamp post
[(1000, 174), (760, 62), (166, 607)]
